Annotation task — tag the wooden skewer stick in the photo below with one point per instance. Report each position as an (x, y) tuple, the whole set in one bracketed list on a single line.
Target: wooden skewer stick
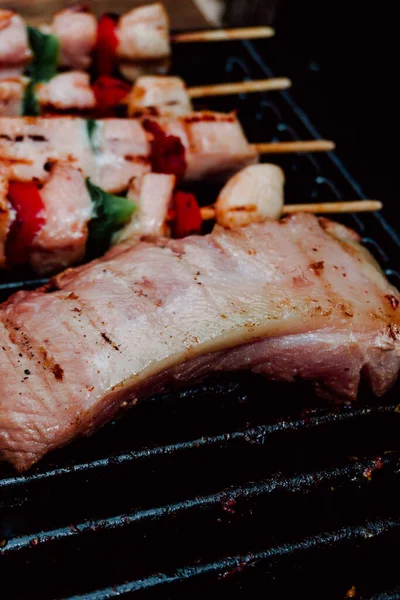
[(221, 35), (242, 87), (334, 207), (208, 212), (296, 146)]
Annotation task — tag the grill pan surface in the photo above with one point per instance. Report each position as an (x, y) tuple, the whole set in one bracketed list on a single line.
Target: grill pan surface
[(235, 486)]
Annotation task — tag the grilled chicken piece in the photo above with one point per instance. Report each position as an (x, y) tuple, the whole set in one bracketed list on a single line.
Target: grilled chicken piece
[(6, 216), (152, 195), (76, 30), (14, 46), (215, 144), (67, 91), (159, 96), (143, 34), (61, 242), (121, 152), (251, 196), (281, 298), (116, 151), (28, 144), (11, 96)]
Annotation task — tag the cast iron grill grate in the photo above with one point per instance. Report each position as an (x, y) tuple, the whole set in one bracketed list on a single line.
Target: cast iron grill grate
[(234, 486)]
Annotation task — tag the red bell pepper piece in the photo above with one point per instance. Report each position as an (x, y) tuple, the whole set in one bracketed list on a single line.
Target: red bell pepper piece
[(187, 214), (106, 45), (109, 93), (28, 204), (167, 151)]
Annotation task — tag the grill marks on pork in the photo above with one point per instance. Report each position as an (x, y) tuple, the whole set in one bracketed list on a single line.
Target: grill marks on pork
[(149, 316)]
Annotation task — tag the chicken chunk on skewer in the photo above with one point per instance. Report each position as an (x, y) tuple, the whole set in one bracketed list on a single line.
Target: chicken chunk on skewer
[(12, 96), (46, 227), (159, 96), (152, 195), (251, 196), (66, 91), (143, 33), (15, 52), (76, 30), (61, 241), (69, 91)]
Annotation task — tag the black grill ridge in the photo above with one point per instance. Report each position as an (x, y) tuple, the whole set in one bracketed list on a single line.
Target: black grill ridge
[(234, 486)]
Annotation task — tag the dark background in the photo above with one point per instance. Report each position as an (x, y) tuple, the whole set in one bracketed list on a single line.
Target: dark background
[(342, 58)]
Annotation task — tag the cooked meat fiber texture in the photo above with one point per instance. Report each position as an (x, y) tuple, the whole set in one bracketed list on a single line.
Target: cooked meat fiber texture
[(296, 298)]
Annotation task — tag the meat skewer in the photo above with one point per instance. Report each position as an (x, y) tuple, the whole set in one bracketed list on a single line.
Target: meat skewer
[(256, 193), (138, 42), (297, 298), (195, 146), (155, 95), (159, 95), (57, 224)]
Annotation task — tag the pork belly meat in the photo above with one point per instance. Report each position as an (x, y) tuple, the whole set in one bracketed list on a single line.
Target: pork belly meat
[(283, 298)]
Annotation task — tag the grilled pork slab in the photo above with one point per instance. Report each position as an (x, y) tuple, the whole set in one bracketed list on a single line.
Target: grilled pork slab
[(284, 298)]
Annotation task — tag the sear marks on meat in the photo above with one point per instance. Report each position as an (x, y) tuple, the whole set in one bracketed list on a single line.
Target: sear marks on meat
[(150, 316)]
